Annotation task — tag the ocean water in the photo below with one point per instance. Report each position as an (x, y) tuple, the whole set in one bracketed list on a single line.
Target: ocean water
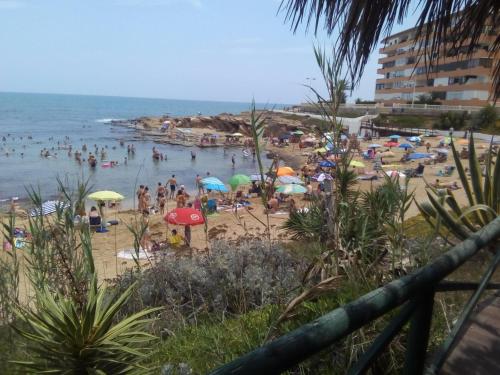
[(31, 122)]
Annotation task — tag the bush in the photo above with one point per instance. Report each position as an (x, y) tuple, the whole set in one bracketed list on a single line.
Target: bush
[(232, 279), (455, 120), (486, 118)]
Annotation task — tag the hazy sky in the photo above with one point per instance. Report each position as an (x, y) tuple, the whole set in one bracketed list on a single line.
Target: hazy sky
[(184, 49)]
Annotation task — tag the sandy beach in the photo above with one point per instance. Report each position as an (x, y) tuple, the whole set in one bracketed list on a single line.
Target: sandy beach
[(228, 224)]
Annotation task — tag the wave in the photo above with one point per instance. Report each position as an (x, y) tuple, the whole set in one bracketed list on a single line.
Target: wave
[(108, 120)]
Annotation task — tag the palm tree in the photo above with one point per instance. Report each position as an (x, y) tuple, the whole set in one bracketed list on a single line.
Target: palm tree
[(360, 24)]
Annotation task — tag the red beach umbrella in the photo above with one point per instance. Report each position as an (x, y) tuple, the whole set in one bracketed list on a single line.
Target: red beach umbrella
[(184, 216), (391, 144)]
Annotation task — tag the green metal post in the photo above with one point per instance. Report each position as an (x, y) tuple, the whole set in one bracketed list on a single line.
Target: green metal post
[(418, 337), (384, 339)]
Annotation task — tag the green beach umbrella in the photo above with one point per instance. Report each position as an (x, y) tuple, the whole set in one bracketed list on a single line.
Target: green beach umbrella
[(291, 189), (298, 132), (239, 179)]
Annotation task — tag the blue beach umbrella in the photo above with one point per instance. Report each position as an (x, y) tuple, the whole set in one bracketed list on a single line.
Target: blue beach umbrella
[(418, 155), (405, 145), (213, 183), (414, 139), (327, 164), (394, 136)]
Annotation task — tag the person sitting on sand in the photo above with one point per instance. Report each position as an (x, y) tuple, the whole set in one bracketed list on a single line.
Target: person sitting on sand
[(175, 239), (273, 204), (94, 217)]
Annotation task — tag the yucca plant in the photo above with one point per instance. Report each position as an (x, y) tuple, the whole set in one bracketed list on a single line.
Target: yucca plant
[(482, 192), (65, 340)]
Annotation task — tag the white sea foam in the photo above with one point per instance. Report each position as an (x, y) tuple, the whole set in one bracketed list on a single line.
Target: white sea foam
[(108, 120)]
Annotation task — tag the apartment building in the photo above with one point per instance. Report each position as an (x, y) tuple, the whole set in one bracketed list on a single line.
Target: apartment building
[(453, 80)]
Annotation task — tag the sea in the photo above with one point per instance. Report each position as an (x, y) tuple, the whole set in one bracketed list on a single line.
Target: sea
[(32, 122)]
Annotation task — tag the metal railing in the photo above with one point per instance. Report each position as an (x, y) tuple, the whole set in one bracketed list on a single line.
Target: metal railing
[(414, 293)]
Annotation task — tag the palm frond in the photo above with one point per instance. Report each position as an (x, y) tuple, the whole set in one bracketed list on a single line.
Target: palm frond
[(360, 24)]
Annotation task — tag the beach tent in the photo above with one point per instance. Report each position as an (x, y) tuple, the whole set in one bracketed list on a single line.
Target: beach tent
[(291, 189)]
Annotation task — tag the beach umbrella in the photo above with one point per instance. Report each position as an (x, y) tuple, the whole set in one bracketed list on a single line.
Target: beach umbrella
[(442, 151), (213, 183), (355, 163), (291, 189), (290, 180), (391, 144), (238, 179), (184, 216), (237, 135), (320, 177), (343, 137), (417, 155), (374, 145), (321, 150), (285, 171), (405, 145), (106, 195), (414, 139), (48, 207), (298, 132), (327, 164), (394, 136)]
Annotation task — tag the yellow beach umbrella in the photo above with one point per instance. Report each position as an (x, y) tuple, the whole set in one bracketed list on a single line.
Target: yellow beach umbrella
[(106, 195), (355, 163), (321, 150)]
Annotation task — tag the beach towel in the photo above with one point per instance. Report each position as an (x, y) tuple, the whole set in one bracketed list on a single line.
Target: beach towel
[(130, 254)]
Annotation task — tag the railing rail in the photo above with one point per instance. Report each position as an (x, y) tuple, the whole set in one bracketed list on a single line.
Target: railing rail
[(415, 291)]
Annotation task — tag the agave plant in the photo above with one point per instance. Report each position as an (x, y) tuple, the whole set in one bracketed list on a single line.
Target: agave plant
[(64, 340), (482, 192)]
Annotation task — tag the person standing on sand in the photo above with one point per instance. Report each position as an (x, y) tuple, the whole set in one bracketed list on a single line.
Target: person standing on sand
[(146, 200), (173, 184), (199, 184), (233, 160), (139, 193), (160, 192)]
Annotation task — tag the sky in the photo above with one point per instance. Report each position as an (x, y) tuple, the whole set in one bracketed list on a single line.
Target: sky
[(224, 50)]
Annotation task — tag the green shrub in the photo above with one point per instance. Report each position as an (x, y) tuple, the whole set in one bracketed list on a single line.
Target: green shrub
[(455, 120), (486, 118)]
